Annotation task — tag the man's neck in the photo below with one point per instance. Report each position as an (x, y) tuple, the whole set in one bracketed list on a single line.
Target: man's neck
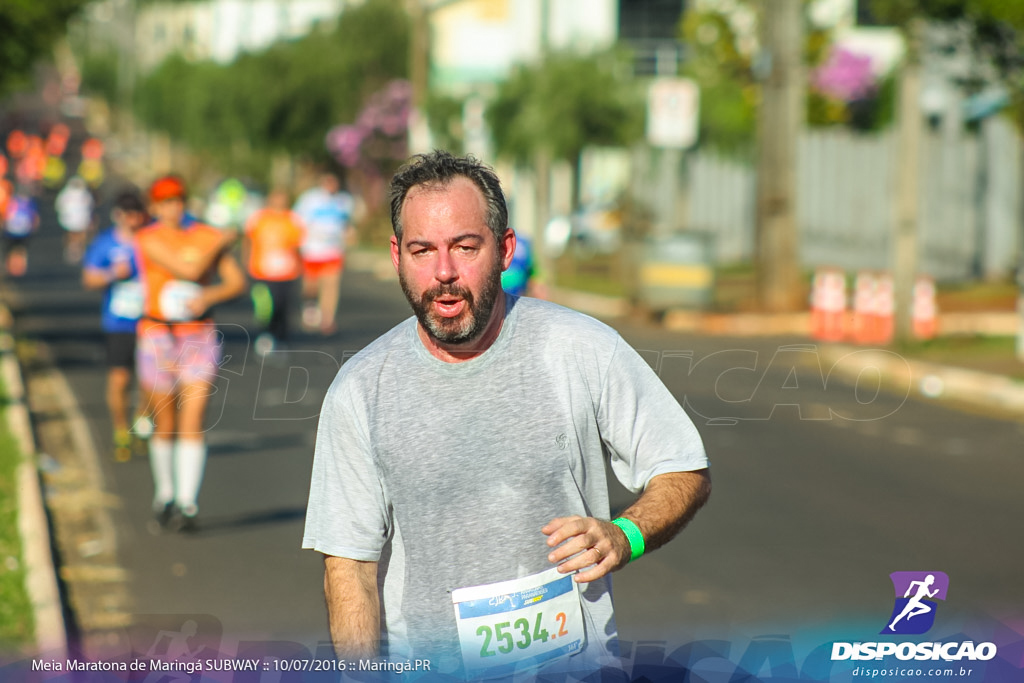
[(460, 353)]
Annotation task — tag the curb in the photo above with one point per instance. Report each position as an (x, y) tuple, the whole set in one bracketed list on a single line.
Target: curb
[(33, 525), (934, 382)]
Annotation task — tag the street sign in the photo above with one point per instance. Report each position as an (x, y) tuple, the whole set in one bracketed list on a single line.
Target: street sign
[(672, 113)]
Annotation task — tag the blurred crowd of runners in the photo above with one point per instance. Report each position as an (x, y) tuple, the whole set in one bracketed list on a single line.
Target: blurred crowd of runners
[(162, 263)]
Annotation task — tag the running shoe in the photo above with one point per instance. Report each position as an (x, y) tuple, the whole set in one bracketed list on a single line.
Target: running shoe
[(122, 445), (143, 427), (165, 515), (264, 344), (188, 520)]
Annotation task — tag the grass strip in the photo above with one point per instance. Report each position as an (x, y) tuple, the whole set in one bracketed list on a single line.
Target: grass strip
[(16, 619)]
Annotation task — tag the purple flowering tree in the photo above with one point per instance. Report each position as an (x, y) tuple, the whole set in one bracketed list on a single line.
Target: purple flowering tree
[(375, 145), (845, 76)]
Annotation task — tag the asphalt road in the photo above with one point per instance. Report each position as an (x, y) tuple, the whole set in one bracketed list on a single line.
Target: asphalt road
[(821, 489)]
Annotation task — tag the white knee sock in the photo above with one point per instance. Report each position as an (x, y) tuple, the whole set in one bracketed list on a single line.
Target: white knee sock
[(189, 463), (161, 462)]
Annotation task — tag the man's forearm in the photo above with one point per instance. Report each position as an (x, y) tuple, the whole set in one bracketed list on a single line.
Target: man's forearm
[(667, 504), (595, 547), (96, 278), (353, 606)]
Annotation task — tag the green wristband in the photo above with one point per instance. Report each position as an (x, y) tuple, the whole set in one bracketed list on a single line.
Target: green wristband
[(633, 535)]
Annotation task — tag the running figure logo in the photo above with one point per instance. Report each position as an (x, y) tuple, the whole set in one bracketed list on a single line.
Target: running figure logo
[(914, 612)]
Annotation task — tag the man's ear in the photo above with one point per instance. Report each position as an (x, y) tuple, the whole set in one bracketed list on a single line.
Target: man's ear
[(508, 246), (396, 252)]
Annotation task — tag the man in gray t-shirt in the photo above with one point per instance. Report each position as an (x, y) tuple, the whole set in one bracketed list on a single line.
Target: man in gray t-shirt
[(458, 490)]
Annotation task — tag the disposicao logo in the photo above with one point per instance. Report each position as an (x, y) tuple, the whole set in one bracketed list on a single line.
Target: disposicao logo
[(914, 614), (916, 592)]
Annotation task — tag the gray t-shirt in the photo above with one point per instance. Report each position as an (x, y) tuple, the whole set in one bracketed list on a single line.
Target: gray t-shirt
[(444, 473)]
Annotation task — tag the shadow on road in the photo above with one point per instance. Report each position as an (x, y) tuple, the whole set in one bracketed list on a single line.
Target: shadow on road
[(225, 525)]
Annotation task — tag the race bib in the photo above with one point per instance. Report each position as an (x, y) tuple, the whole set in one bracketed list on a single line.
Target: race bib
[(126, 300), (513, 626), (278, 264), (174, 299)]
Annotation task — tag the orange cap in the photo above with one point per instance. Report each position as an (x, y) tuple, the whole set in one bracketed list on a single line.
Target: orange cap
[(167, 187)]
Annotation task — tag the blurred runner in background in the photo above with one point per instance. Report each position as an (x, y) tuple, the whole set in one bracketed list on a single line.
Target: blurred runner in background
[(186, 269), (229, 205), (109, 264), (6, 188), (91, 168), (20, 220), (519, 279), (326, 211), (74, 205), (274, 236)]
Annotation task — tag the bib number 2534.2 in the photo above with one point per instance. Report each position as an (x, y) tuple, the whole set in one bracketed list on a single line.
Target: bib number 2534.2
[(516, 625)]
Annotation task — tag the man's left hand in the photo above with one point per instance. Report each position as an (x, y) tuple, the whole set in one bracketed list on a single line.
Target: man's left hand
[(599, 546)]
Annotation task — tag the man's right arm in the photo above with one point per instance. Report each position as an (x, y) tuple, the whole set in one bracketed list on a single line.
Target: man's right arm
[(353, 606)]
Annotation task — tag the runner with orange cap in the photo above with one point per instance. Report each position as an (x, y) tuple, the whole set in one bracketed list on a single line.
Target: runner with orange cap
[(186, 269)]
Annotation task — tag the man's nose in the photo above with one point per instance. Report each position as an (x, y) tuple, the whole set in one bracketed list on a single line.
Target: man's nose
[(444, 268)]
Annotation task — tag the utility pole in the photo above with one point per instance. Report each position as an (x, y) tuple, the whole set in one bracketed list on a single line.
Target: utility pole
[(1020, 285), (780, 120), (419, 74), (420, 12), (904, 239)]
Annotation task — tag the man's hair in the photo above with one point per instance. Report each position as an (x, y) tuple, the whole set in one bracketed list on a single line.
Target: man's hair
[(438, 169), (129, 201)]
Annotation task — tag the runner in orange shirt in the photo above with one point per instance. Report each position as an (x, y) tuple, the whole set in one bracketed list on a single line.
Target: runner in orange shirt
[(185, 269), (274, 236)]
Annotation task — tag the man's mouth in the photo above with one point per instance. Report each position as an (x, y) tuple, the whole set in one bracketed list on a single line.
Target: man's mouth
[(449, 306)]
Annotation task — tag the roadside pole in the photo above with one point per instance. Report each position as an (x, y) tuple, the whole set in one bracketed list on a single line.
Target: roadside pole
[(904, 238), (1020, 296), (780, 120)]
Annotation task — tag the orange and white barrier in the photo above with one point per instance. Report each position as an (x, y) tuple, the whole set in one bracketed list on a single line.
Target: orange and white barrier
[(863, 328), (885, 309), (874, 308), (828, 305), (924, 310)]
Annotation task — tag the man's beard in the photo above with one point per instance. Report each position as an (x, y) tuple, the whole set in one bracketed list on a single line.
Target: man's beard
[(468, 325)]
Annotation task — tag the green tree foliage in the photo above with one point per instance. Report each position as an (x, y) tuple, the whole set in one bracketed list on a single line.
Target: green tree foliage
[(722, 57), (444, 113), (99, 74), (728, 91), (564, 104), (997, 28), (27, 31), (981, 12), (285, 98)]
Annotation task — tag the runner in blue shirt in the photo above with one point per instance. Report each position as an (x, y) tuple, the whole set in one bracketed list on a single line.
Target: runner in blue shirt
[(516, 278), (19, 221), (110, 265)]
